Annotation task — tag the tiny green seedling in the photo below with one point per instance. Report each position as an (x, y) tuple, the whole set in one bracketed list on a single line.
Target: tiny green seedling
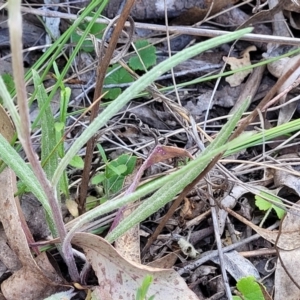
[(141, 293), (115, 172), (267, 202), (250, 289), (111, 180), (145, 58), (113, 176), (116, 75)]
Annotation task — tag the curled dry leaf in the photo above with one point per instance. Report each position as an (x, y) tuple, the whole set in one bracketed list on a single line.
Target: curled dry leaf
[(283, 178), (289, 262), (118, 277), (30, 282), (287, 111), (237, 63), (6, 126), (237, 265), (276, 67), (229, 202), (72, 207)]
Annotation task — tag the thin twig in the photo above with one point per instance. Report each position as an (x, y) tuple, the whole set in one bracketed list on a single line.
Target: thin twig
[(206, 257), (103, 64), (175, 29)]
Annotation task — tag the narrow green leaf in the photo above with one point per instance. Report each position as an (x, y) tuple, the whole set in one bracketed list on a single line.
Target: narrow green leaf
[(102, 153), (48, 156), (157, 183), (167, 192), (137, 87), (9, 155)]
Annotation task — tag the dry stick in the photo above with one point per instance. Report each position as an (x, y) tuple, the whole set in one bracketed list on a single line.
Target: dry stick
[(252, 37), (246, 121), (250, 88), (206, 257), (178, 201), (103, 64), (218, 239)]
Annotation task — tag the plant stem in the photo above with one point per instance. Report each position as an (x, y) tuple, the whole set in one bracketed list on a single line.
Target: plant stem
[(15, 27)]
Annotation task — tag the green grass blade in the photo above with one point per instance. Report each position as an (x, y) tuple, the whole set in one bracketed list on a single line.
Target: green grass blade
[(152, 186), (137, 87), (13, 160), (57, 48), (166, 193), (49, 157)]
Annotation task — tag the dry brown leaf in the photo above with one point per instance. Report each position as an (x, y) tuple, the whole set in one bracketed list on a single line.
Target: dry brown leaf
[(294, 19), (290, 261), (30, 282), (287, 111), (118, 277), (129, 244), (229, 202), (236, 63), (288, 240), (293, 5), (166, 262), (6, 126), (186, 210), (282, 178), (276, 67), (72, 207)]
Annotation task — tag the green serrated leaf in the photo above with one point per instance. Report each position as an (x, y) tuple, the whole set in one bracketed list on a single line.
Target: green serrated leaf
[(146, 57), (263, 204), (77, 162), (116, 75), (250, 289)]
